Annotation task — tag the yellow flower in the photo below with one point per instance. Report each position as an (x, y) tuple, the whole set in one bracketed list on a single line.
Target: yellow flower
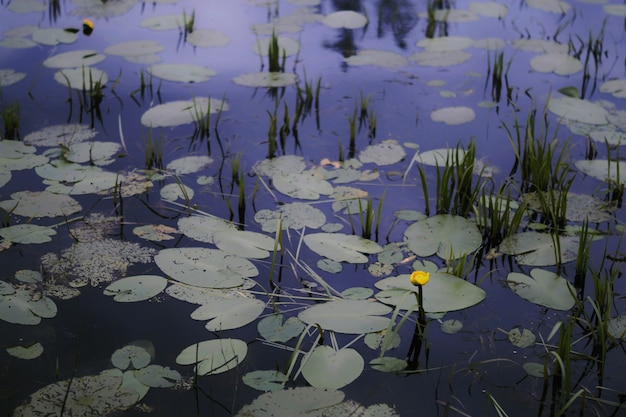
[(88, 23), (420, 277)]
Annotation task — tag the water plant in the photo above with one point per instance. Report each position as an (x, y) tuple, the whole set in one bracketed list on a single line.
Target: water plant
[(276, 56), (153, 151), (11, 120)]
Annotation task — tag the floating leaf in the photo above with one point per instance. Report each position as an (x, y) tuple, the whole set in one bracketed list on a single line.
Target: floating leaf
[(136, 288), (23, 307), (211, 268), (538, 249), (175, 191), (53, 36), (617, 327), (301, 401), (155, 232), (207, 38), (189, 164), (40, 204), (273, 328), (453, 115), (180, 112), (387, 152), (330, 368), (348, 316), (286, 46), (379, 58), (74, 59), (615, 87), (449, 236), (292, 215), (603, 169), (136, 355), (444, 292), (265, 380), (578, 110), (388, 364), (560, 64), (346, 19), (94, 153), (184, 73), (229, 313), (27, 233), (304, 185), (202, 228), (341, 247), (245, 243), (26, 352), (544, 288), (157, 376), (522, 339), (9, 76), (214, 356), (446, 43), (451, 326), (266, 79), (60, 134), (536, 369)]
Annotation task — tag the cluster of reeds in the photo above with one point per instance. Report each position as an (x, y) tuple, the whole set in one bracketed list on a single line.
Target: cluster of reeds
[(11, 120), (497, 72), (436, 26), (456, 189), (202, 123), (307, 98), (153, 151), (276, 56), (593, 49)]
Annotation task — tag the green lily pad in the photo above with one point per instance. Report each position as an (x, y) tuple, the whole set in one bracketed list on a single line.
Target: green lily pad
[(444, 292), (266, 79), (305, 185), (94, 181), (611, 137), (203, 267), (537, 249), (63, 134), (27, 233), (214, 356), (388, 364), (536, 369), (245, 243), (74, 59), (301, 401), (346, 19), (451, 326), (207, 38), (453, 115), (202, 228), (189, 164), (23, 307), (265, 380), (26, 352), (522, 339), (617, 327), (136, 288), (603, 169), (180, 112), (184, 73), (292, 215), (9, 76), (175, 191), (332, 369), (578, 110), (40, 204), (560, 64), (341, 247), (273, 328), (448, 236), (229, 313), (286, 46), (157, 376), (53, 36), (544, 288), (348, 316), (134, 355), (376, 57), (615, 87), (95, 153), (387, 152)]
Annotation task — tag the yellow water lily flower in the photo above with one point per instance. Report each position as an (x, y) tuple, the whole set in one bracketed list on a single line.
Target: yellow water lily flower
[(420, 277), (87, 27)]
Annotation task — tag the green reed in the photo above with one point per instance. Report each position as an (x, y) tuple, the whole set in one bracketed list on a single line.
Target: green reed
[(275, 55), (11, 120)]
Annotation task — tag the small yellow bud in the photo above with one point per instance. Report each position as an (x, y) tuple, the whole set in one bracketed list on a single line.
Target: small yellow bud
[(88, 23), (420, 277)]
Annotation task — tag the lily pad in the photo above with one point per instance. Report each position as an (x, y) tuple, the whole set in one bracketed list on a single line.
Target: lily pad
[(245, 243), (448, 236), (273, 328), (24, 307), (134, 48), (346, 19), (214, 356), (134, 355), (348, 316), (578, 110), (292, 215), (377, 57), (538, 249), (27, 233), (332, 369), (9, 76), (544, 288), (176, 113), (175, 191), (286, 46), (617, 327), (560, 64), (203, 267), (229, 313), (26, 352), (53, 36), (136, 288), (157, 376), (341, 247), (266, 79), (63, 134), (522, 339), (189, 164), (453, 115), (265, 380), (202, 228), (446, 43), (94, 153), (40, 204), (615, 87), (207, 38), (603, 169), (444, 292), (74, 59), (184, 73), (305, 185), (301, 401), (387, 152)]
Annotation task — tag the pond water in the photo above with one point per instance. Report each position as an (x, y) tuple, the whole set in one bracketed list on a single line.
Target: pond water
[(225, 183)]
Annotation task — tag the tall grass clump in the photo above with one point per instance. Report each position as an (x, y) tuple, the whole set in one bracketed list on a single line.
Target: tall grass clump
[(275, 55), (11, 121), (153, 151)]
